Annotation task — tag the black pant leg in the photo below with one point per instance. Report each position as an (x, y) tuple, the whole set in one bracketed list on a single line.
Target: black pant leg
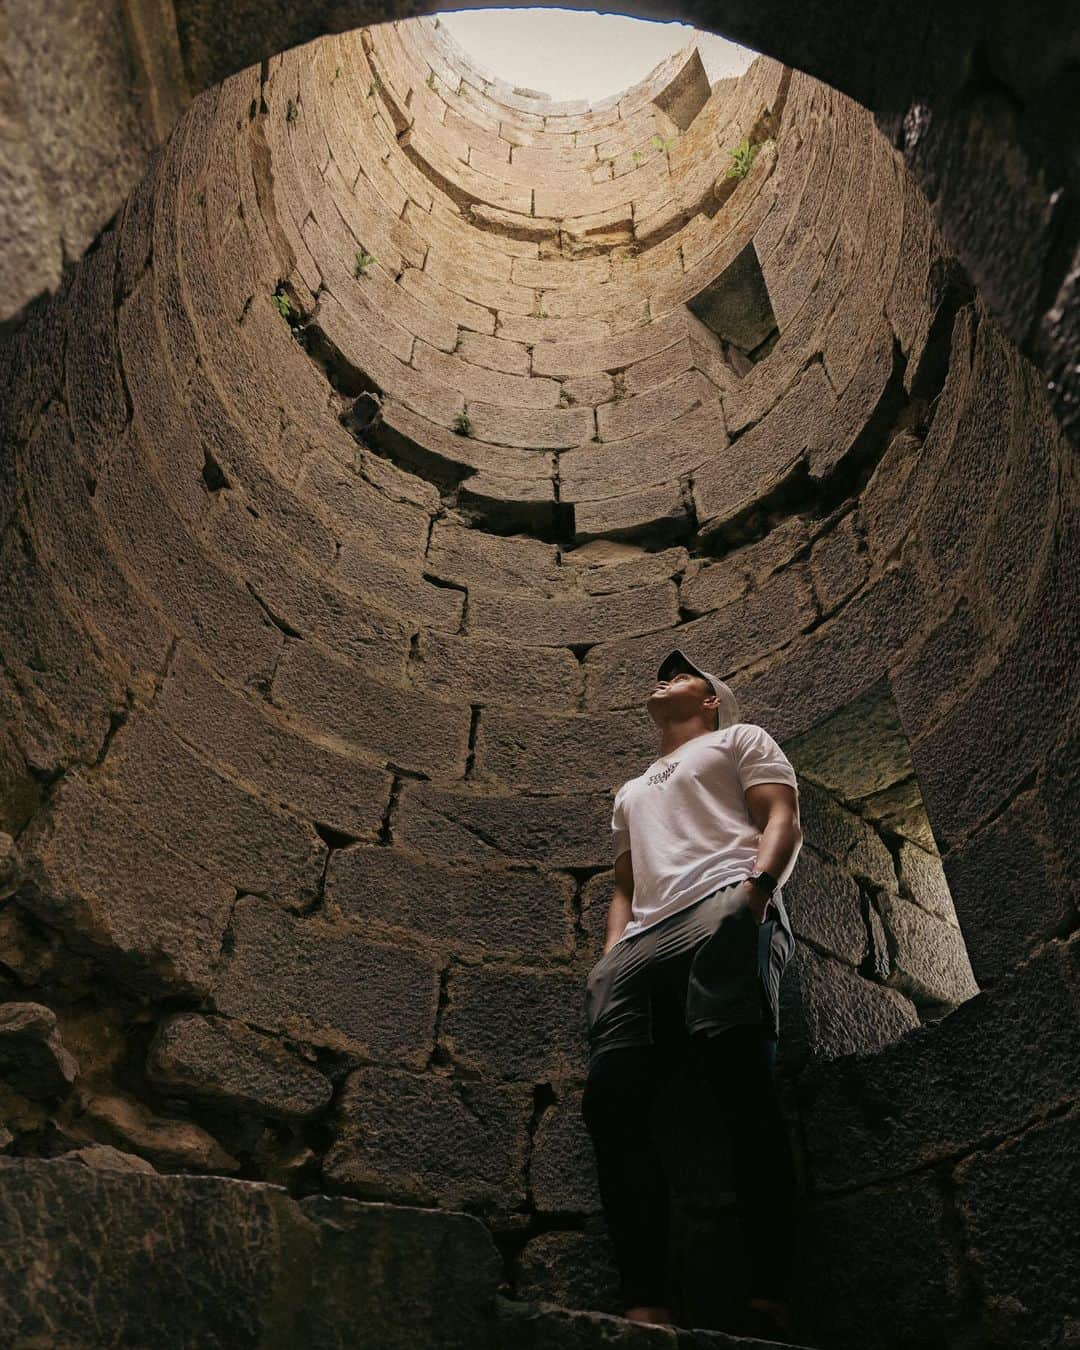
[(620, 1090), (739, 1063)]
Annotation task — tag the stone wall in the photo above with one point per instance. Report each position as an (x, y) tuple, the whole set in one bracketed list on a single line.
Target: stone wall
[(356, 481), (978, 99)]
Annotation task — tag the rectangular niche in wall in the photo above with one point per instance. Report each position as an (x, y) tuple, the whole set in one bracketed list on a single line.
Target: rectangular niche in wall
[(880, 949), (736, 306)]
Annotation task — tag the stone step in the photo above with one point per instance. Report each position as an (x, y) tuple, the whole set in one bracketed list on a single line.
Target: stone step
[(547, 1326), (97, 1248)]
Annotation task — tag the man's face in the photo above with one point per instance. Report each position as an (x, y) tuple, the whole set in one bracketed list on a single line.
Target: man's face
[(679, 697)]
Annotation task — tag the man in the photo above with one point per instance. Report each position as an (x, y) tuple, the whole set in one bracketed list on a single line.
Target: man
[(697, 939)]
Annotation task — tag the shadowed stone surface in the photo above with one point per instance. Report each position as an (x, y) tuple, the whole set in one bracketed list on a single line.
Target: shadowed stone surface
[(867, 1116), (326, 984), (1018, 1231), (430, 1140), (846, 1258), (225, 1063), (241, 1264), (32, 1056)]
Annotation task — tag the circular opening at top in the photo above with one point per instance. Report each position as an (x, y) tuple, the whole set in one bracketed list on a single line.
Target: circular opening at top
[(573, 54)]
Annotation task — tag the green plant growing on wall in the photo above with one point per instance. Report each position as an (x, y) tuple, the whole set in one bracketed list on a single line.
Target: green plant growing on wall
[(337, 75), (636, 156), (462, 425), (741, 158), (292, 112), (431, 79), (658, 142), (285, 306), (376, 84), (363, 261)]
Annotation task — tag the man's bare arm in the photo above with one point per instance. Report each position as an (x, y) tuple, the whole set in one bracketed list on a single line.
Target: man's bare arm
[(774, 809), (619, 911)]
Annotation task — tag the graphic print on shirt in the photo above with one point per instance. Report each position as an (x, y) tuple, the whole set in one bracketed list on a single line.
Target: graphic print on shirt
[(662, 775)]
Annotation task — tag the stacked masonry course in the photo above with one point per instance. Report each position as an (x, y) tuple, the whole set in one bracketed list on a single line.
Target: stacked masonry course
[(357, 480)]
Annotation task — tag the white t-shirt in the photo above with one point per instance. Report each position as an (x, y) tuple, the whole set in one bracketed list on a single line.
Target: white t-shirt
[(686, 822)]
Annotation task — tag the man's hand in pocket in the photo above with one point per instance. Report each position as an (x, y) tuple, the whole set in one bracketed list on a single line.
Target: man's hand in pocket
[(757, 900)]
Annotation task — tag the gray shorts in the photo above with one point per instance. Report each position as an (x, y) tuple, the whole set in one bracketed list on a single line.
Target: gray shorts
[(697, 970)]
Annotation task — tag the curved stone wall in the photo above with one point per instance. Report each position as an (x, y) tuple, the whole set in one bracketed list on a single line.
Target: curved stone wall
[(359, 478)]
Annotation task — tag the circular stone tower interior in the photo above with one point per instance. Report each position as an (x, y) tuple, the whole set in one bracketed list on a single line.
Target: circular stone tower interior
[(355, 482)]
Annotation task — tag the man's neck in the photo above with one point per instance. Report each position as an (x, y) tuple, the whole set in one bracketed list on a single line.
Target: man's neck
[(678, 733)]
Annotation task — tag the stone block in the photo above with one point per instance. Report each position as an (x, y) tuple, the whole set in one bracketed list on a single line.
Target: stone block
[(838, 564), (430, 1139), (687, 94), (843, 835), (510, 911), (608, 565), (483, 384), (250, 740), (325, 983), (942, 664), (827, 1011), (168, 1143), (83, 555), (531, 429), (651, 455), (516, 1024), (362, 570), (922, 879), (562, 1168), (562, 622), (1020, 1235), (491, 672), (571, 359), (655, 512), (840, 660), (658, 408), (1008, 894), (768, 454), (710, 586), (512, 358), (241, 1263), (1006, 723), (469, 557), (66, 694), (204, 814), (589, 390), (994, 1063), (383, 719), (198, 595), (928, 957), (885, 502), (96, 872), (570, 1269), (225, 1064), (106, 1158), (476, 827), (825, 906), (529, 752), (973, 453)]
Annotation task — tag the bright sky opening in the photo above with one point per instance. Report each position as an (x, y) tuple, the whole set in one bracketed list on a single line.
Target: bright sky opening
[(572, 54)]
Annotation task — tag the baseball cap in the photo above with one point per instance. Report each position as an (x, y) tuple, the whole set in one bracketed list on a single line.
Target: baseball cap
[(729, 708)]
